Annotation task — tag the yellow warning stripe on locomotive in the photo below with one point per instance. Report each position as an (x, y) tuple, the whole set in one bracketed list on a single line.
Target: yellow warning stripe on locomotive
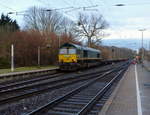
[(68, 58)]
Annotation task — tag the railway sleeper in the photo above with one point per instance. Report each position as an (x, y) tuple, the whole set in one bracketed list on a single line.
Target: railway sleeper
[(73, 103), (81, 98), (93, 112), (84, 100), (81, 101), (58, 113), (69, 110), (71, 107)]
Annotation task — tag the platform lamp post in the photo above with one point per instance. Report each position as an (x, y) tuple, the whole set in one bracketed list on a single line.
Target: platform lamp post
[(39, 53), (12, 57), (149, 45), (142, 30), (12, 47)]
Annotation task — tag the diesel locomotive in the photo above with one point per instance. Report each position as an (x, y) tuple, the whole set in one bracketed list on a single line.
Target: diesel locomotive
[(73, 57)]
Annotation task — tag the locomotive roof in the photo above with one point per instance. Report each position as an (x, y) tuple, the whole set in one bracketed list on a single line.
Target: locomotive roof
[(79, 47)]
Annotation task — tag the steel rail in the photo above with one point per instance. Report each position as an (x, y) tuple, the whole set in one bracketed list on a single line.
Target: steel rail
[(99, 95), (37, 85), (10, 85), (30, 81), (56, 86), (5, 91), (22, 96), (56, 101)]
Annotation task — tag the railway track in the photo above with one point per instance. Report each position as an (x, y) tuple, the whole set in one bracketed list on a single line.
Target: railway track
[(29, 90), (31, 76), (81, 100), (57, 77), (30, 81), (53, 85)]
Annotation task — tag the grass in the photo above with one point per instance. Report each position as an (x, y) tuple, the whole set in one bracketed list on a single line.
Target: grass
[(21, 69)]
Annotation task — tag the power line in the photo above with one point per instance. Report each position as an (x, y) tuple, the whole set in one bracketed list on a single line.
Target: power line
[(59, 9), (83, 8), (71, 8), (49, 10)]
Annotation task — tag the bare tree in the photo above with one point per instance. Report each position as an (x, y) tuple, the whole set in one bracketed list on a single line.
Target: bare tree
[(91, 26), (44, 20), (67, 26)]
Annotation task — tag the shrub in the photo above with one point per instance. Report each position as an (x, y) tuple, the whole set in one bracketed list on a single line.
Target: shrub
[(4, 63)]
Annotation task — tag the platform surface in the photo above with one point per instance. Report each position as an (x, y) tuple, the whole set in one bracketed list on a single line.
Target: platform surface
[(147, 64), (27, 71), (132, 95)]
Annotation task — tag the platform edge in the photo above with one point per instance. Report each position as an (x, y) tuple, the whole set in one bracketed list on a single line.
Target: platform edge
[(112, 96)]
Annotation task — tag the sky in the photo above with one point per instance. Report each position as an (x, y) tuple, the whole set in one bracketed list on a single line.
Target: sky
[(125, 21)]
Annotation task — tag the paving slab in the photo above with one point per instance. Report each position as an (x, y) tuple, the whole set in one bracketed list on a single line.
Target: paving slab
[(132, 95), (146, 65), (144, 86)]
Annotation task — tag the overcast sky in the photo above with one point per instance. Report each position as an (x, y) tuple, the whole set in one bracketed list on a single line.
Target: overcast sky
[(124, 20)]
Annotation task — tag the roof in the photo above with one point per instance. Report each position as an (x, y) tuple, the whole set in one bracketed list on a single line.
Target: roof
[(80, 47)]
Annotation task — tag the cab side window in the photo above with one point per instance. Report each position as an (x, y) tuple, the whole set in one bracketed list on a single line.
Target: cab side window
[(98, 55), (85, 53)]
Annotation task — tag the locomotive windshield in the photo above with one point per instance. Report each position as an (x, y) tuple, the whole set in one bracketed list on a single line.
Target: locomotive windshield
[(71, 51), (67, 51), (63, 51)]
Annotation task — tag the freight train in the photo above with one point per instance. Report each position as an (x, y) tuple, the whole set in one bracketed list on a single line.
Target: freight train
[(73, 57)]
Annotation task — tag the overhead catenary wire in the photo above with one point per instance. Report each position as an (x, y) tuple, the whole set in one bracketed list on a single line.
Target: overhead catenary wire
[(69, 9), (58, 9), (83, 8), (22, 12)]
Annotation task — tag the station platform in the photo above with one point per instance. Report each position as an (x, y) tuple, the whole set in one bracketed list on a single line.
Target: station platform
[(25, 72), (146, 64), (132, 94)]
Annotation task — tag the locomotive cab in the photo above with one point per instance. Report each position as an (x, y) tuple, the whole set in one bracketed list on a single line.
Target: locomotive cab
[(67, 55), (73, 57)]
